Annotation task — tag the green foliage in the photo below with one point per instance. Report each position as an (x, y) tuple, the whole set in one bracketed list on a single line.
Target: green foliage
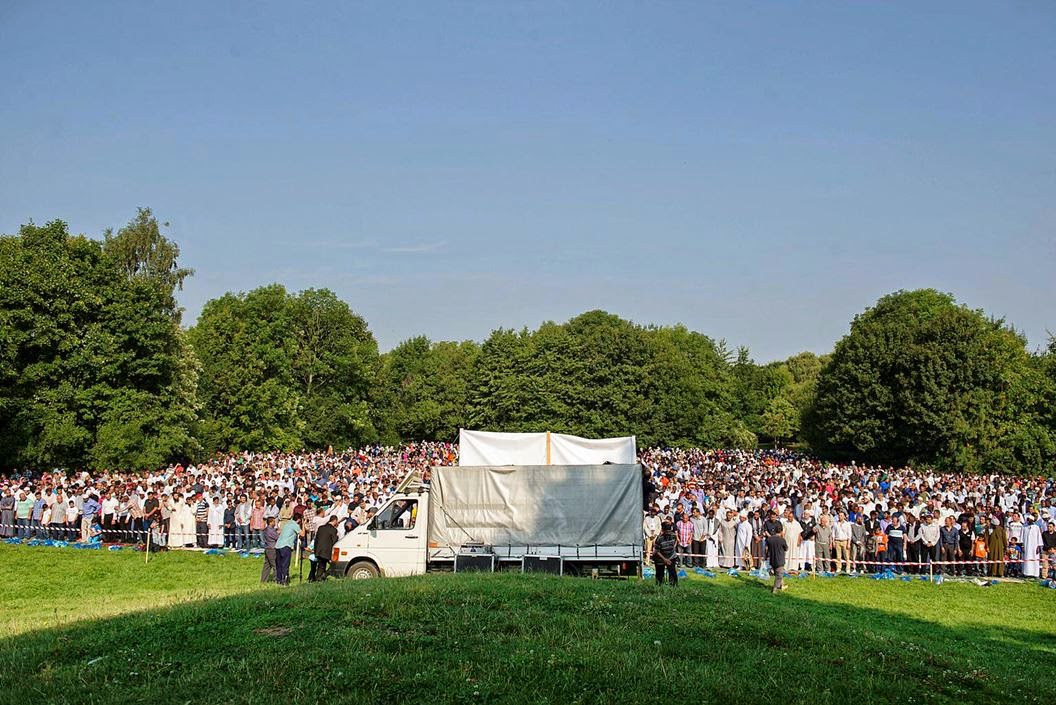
[(599, 375), (95, 371), (91, 368), (283, 371), (922, 379), (781, 419), (423, 388)]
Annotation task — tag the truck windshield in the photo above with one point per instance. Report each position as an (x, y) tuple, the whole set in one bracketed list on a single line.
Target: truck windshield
[(401, 514)]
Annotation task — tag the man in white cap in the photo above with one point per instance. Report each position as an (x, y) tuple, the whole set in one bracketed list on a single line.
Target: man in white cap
[(1031, 548), (744, 541)]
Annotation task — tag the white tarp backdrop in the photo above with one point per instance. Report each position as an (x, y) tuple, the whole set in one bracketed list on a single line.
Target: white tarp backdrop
[(541, 505), (573, 450), (487, 448)]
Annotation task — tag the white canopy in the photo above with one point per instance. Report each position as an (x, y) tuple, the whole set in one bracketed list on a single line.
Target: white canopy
[(488, 448)]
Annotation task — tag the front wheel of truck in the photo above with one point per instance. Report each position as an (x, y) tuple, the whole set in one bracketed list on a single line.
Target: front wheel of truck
[(362, 570)]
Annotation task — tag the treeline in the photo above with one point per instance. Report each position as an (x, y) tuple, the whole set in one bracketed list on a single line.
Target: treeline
[(97, 371)]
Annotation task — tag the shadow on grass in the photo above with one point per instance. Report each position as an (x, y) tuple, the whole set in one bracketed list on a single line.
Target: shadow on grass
[(526, 639)]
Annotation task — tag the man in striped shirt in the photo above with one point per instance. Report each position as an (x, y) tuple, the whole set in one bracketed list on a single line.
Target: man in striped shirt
[(684, 528), (664, 555)]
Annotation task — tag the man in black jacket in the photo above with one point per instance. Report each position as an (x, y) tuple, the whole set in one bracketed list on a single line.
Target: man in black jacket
[(325, 538), (776, 550), (664, 555)]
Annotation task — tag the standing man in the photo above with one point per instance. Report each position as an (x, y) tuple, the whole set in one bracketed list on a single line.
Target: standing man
[(229, 523), (727, 540), (23, 514), (1048, 550), (896, 536), (269, 572), (930, 535), (201, 521), (776, 550), (1031, 548), (823, 544), (684, 532), (841, 539), (325, 538), (664, 555), (650, 527), (807, 537), (151, 511), (949, 543), (89, 512), (243, 512), (291, 529), (996, 547), (858, 543), (700, 527), (58, 516)]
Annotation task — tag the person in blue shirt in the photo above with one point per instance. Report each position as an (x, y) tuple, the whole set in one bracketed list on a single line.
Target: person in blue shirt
[(35, 517), (89, 513), (289, 532), (95, 534)]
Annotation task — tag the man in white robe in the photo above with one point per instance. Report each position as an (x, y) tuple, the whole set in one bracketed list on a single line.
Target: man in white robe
[(792, 531), (215, 518), (744, 541), (1031, 549), (181, 525), (727, 536), (711, 541)]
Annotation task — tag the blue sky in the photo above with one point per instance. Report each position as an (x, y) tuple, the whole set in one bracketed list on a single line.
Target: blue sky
[(759, 172)]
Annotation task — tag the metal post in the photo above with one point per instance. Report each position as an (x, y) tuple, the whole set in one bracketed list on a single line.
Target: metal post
[(146, 557)]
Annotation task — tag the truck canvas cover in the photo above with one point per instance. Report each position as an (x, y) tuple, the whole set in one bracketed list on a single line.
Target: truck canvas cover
[(536, 505)]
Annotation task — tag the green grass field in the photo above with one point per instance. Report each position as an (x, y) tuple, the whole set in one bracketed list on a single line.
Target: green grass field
[(104, 628)]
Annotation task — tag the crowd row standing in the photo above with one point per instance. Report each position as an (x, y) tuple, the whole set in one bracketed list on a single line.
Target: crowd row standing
[(721, 503), (224, 503)]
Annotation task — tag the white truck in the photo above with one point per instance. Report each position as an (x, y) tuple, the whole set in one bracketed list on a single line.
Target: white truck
[(583, 519)]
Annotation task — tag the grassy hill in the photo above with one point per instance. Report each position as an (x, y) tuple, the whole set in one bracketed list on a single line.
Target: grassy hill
[(105, 628)]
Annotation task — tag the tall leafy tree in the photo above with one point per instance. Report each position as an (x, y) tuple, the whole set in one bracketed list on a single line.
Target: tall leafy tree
[(94, 371), (425, 389), (599, 375), (920, 378), (284, 371)]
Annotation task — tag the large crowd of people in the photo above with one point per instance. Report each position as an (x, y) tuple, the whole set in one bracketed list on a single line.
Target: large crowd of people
[(722, 505)]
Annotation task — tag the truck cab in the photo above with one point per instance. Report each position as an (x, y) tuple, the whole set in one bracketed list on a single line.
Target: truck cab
[(392, 543)]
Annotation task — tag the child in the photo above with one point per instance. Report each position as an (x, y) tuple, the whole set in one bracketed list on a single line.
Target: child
[(980, 553), (1014, 558)]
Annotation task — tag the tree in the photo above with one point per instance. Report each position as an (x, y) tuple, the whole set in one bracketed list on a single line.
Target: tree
[(598, 375), (922, 379), (92, 367), (780, 420), (425, 389), (755, 387), (282, 371)]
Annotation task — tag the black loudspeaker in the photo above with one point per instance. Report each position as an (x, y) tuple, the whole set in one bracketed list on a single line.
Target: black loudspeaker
[(554, 565), (475, 563)]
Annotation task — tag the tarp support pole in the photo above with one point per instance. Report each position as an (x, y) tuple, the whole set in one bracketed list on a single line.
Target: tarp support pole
[(547, 447)]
